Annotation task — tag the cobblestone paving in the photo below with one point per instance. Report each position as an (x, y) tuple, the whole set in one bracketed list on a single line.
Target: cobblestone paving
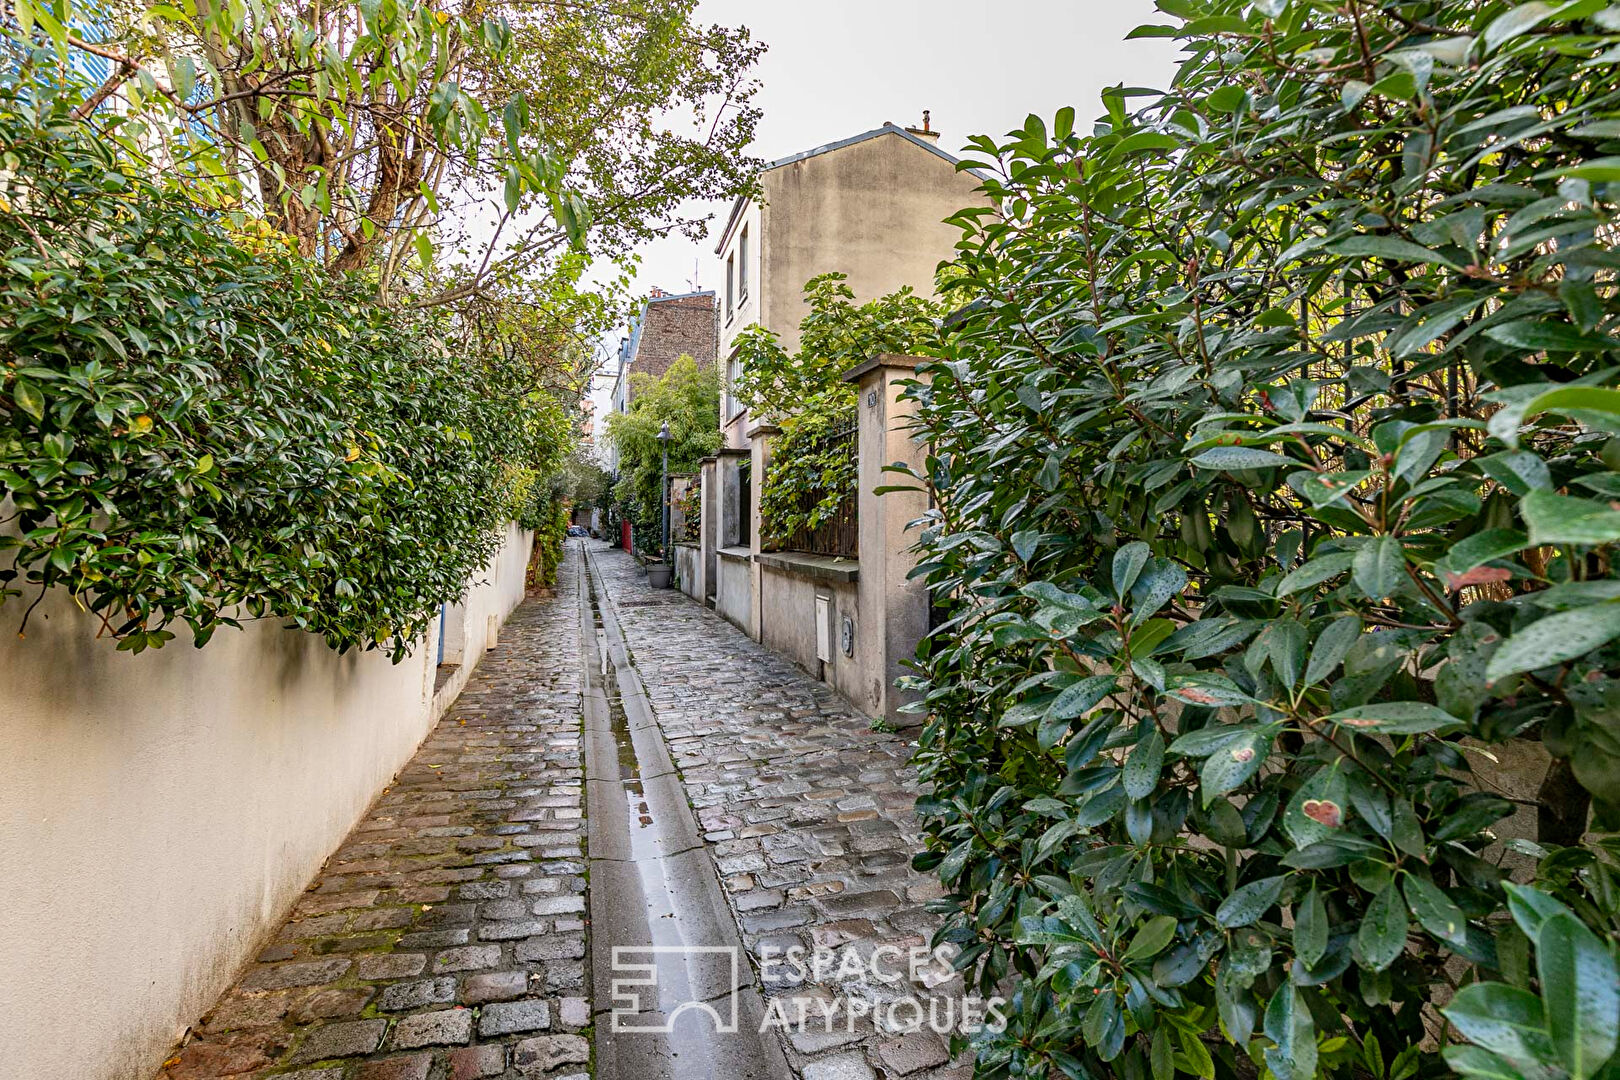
[(808, 815), (445, 940)]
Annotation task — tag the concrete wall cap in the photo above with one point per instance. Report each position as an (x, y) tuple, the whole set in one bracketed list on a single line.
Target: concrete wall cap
[(829, 568), (763, 427), (896, 361)]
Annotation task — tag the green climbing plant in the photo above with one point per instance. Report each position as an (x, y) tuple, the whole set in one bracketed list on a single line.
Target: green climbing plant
[(813, 471)]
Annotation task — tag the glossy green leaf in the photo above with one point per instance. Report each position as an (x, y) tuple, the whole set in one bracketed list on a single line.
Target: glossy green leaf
[(1310, 929), (1555, 639), (1290, 1026), (1331, 646), (1151, 939), (1382, 935), (1379, 568), (1141, 773), (1435, 911), (1581, 989), (1248, 902), (1395, 718), (1563, 519), (1240, 457)]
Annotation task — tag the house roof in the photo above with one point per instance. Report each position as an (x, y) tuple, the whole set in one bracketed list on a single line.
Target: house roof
[(886, 129)]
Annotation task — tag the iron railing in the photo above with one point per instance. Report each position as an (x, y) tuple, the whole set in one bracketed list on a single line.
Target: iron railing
[(840, 534)]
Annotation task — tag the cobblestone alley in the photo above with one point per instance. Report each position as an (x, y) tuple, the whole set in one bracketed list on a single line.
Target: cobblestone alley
[(447, 939)]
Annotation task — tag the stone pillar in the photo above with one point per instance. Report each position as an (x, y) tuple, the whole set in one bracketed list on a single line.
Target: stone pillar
[(761, 436), (894, 609)]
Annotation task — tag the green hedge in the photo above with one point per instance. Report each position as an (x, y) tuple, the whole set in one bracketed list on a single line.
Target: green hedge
[(197, 426), (1275, 483)]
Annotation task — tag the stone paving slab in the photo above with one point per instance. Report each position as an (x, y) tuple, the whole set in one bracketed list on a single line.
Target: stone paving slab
[(445, 940), (807, 814)]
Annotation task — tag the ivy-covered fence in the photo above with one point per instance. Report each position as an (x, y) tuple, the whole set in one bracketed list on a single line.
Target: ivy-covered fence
[(1277, 487), (808, 497), (810, 501)]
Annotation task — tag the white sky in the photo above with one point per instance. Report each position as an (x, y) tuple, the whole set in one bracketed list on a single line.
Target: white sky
[(835, 68)]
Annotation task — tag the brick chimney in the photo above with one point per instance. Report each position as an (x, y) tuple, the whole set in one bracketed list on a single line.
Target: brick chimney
[(657, 293), (926, 131)]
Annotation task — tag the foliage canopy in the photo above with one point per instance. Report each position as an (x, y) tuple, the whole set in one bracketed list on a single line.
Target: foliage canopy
[(370, 133)]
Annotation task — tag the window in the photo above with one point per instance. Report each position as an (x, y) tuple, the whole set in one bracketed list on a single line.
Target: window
[(742, 267), (731, 280), (733, 376)]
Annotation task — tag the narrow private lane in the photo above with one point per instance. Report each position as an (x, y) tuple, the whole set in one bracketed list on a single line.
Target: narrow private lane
[(726, 810), (806, 814), (446, 937)]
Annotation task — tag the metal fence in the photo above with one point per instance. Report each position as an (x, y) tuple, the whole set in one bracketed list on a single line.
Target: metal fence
[(839, 535)]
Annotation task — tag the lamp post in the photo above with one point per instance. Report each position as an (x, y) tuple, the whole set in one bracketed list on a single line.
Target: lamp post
[(663, 492)]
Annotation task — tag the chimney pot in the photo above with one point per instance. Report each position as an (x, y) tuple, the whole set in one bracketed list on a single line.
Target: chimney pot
[(927, 130)]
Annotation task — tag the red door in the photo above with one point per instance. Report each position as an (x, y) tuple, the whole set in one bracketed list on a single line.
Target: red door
[(624, 535)]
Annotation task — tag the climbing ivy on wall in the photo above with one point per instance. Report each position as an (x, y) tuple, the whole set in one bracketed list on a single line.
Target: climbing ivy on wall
[(1274, 471), (813, 469), (198, 426)]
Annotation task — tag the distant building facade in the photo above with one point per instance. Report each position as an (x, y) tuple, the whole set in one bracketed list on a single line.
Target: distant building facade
[(873, 208)]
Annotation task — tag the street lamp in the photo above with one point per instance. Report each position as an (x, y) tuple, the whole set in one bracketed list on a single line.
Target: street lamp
[(663, 490)]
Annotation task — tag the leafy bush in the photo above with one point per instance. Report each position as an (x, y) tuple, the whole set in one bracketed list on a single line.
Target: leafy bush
[(812, 472), (1274, 458), (192, 431), (687, 398)]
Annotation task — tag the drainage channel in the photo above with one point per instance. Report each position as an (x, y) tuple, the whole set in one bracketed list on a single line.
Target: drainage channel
[(672, 986)]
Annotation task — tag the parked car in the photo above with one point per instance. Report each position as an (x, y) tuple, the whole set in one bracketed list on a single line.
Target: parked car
[(578, 530)]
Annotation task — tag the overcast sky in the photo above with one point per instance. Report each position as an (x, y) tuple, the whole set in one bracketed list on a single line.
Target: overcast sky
[(835, 68)]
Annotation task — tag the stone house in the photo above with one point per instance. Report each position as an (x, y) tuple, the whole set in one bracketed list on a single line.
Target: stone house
[(872, 207)]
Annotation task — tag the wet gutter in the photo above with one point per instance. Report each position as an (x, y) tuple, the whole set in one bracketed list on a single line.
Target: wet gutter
[(672, 989)]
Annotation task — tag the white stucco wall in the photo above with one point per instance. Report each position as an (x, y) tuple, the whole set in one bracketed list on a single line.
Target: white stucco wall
[(160, 813), (689, 570), (734, 588)]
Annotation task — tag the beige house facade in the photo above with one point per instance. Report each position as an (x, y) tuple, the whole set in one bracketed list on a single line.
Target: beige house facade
[(871, 207)]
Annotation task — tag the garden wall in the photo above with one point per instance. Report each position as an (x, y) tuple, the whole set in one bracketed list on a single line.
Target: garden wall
[(161, 813), (734, 587), (689, 570), (790, 621)]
